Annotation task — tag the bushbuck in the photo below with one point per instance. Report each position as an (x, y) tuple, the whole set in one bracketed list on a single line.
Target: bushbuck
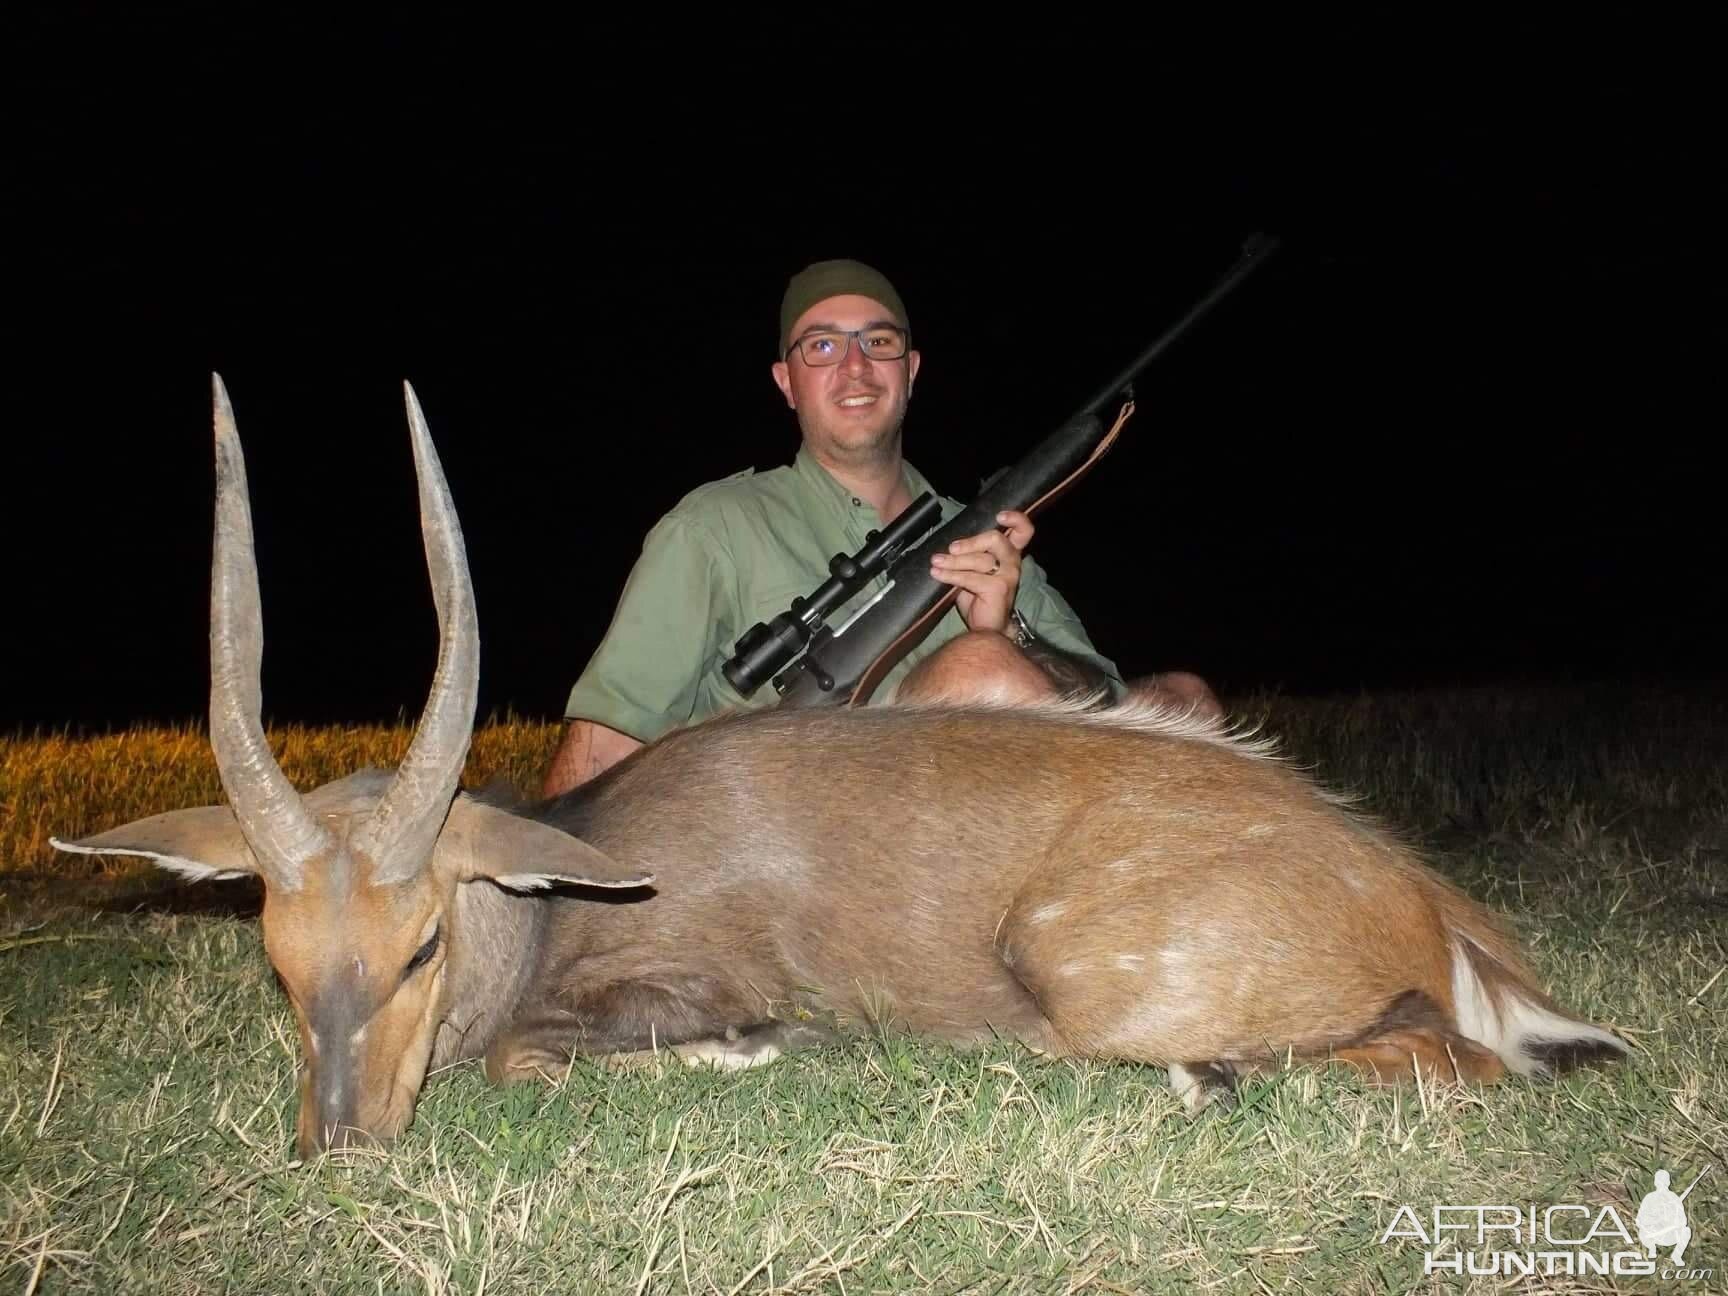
[(1113, 882)]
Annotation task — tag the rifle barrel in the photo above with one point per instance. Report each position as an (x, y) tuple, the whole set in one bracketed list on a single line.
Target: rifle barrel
[(1694, 1183), (1254, 251)]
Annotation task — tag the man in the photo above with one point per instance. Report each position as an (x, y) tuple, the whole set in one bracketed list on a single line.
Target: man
[(737, 551)]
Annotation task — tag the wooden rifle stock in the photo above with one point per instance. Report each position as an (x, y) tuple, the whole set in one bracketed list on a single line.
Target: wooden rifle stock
[(842, 667)]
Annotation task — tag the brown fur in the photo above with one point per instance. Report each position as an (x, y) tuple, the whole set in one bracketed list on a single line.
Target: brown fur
[(1440, 1054), (1113, 885)]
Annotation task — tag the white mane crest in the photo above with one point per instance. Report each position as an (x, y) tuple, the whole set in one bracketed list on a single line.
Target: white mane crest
[(1140, 715), (1146, 716)]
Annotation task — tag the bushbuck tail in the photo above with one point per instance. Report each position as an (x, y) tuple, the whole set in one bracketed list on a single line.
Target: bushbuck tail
[(1120, 883)]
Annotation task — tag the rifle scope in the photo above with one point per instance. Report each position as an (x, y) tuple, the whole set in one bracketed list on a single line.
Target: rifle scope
[(763, 649)]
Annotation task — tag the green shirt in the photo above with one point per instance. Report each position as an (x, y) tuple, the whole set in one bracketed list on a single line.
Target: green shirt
[(735, 552)]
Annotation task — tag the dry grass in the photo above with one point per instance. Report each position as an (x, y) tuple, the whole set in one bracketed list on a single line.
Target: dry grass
[(148, 1063)]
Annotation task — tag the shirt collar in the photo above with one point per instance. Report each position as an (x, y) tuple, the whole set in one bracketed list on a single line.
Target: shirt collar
[(822, 482)]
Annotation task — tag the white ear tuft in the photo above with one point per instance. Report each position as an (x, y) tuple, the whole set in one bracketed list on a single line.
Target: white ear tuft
[(546, 881), (486, 841), (186, 868)]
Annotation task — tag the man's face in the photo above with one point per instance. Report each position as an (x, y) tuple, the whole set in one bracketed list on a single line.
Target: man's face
[(851, 411)]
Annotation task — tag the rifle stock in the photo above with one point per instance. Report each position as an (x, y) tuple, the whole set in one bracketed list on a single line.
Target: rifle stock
[(843, 666)]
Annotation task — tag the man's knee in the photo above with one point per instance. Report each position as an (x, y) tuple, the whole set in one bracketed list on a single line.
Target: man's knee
[(1177, 690), (978, 666)]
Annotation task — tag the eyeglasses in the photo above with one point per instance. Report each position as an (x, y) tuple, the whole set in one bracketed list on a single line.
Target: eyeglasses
[(829, 346)]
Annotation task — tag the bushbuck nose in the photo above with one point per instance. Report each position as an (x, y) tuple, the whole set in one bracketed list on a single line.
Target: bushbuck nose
[(330, 1116)]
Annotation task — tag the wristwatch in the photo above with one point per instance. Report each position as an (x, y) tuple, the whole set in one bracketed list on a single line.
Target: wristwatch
[(1019, 631)]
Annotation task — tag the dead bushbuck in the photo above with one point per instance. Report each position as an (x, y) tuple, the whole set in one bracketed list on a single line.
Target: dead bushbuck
[(1121, 883)]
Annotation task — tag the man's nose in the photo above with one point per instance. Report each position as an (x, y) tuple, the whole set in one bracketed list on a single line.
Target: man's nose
[(853, 360)]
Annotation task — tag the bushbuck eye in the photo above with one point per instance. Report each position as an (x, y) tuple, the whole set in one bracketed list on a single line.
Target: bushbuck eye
[(421, 954)]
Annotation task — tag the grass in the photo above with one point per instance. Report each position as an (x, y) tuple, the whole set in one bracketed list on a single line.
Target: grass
[(147, 1068)]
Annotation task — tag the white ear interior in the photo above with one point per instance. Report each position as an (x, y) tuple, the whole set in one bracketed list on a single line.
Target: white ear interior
[(186, 868)]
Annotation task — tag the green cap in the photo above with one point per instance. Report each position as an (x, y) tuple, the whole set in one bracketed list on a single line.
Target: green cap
[(825, 279)]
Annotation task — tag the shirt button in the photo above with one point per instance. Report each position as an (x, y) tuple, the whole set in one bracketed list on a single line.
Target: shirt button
[(857, 503)]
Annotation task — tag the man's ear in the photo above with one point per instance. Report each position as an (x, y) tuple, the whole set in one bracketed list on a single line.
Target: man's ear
[(202, 844), (482, 841), (783, 380)]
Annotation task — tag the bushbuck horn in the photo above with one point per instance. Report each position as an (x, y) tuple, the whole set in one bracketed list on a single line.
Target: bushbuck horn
[(397, 839), (1124, 883), (283, 836)]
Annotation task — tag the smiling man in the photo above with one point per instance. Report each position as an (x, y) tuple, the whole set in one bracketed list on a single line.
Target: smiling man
[(737, 551)]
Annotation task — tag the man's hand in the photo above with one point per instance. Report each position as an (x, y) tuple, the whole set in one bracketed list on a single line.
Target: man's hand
[(986, 568)]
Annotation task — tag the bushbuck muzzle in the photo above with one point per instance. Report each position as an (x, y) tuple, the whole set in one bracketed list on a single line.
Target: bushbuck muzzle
[(1121, 882)]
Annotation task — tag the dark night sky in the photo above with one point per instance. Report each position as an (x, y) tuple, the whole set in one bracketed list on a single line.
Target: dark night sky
[(1462, 429)]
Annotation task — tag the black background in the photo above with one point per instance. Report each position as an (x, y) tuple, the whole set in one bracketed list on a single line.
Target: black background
[(1462, 429)]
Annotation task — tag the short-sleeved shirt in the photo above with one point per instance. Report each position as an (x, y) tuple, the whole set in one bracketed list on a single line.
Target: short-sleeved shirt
[(736, 552)]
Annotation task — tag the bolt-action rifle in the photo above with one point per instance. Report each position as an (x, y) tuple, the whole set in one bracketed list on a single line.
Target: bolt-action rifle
[(843, 665)]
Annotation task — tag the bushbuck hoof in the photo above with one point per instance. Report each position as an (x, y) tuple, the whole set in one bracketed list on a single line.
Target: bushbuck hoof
[(753, 1046), (516, 1061), (1204, 1084)]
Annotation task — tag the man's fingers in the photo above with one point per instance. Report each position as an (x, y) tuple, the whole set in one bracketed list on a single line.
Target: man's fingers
[(987, 573), (973, 544), (1019, 527), (973, 582), (1003, 546), (988, 562), (984, 599)]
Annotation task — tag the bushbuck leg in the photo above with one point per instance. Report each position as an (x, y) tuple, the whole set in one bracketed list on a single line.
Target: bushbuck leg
[(622, 1017), (1204, 981)]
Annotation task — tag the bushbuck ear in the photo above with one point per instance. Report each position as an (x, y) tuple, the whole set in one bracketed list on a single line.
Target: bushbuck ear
[(203, 844), (482, 841)]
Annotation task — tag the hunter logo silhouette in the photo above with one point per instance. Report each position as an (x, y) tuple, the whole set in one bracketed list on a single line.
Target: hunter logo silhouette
[(1662, 1218)]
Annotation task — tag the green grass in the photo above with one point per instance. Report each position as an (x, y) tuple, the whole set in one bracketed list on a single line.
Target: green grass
[(147, 1069)]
